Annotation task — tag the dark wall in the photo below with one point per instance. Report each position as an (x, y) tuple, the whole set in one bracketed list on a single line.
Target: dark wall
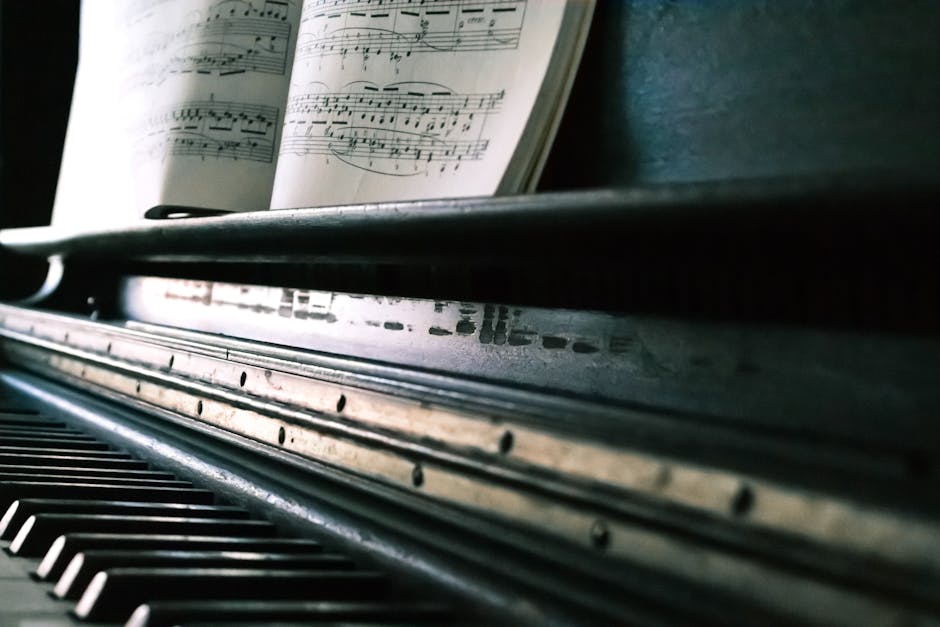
[(723, 89), (38, 55)]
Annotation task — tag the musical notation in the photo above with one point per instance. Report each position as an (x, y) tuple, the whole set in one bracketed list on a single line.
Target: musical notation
[(231, 37), (400, 28), (370, 149), (400, 129), (212, 129)]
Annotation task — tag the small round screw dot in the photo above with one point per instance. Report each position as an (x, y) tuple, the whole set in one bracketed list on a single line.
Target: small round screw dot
[(417, 476), (600, 535), (743, 501), (506, 442)]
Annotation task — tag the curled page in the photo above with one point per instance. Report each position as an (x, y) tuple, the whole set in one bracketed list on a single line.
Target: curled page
[(409, 99)]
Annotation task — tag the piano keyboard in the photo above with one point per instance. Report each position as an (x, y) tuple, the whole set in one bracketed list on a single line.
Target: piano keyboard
[(93, 535)]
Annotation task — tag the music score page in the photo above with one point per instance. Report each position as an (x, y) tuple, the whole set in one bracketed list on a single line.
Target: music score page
[(409, 99), (242, 105), (176, 102)]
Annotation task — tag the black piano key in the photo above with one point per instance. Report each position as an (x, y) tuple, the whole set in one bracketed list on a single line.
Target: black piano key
[(169, 613), (59, 431), (61, 450), (12, 490), (113, 594), (51, 477), (22, 509), (48, 429), (28, 420), (40, 530), (8, 470), (65, 547), (46, 442), (44, 432), (86, 461), (87, 564)]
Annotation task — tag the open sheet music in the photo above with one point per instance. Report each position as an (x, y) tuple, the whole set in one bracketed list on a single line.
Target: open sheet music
[(255, 104)]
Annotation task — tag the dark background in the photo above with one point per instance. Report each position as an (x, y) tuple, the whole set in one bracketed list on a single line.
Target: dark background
[(674, 91), (38, 55)]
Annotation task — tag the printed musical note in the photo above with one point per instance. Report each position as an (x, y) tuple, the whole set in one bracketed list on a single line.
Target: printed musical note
[(400, 28), (400, 129), (211, 129), (231, 37)]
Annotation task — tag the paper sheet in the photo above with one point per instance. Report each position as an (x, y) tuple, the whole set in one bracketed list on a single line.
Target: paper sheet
[(408, 99), (177, 102)]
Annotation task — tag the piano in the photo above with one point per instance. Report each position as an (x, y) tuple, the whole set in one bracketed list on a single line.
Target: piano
[(698, 390)]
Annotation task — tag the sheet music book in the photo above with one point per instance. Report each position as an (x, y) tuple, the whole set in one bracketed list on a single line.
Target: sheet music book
[(252, 104)]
